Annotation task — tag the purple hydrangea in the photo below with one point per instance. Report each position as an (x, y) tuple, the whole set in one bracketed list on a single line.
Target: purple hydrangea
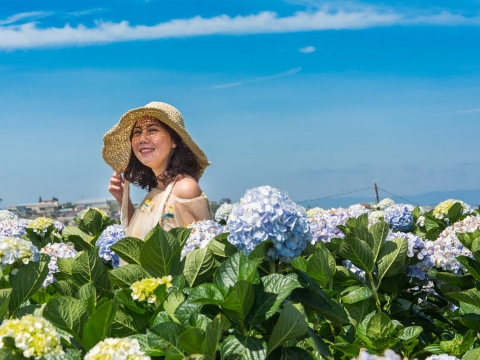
[(58, 225), (110, 236), (202, 233), (265, 213), (14, 228), (399, 217), (418, 251)]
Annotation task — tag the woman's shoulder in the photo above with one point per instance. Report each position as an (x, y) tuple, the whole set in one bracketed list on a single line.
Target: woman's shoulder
[(186, 188)]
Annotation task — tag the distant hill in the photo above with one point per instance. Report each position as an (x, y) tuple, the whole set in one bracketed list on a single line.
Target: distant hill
[(471, 197)]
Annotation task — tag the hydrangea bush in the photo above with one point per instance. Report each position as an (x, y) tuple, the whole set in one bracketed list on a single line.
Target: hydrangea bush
[(15, 250), (56, 251), (111, 235), (399, 217), (267, 214), (201, 235)]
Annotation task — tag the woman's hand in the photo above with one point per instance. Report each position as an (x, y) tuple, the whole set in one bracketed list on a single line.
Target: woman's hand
[(116, 187)]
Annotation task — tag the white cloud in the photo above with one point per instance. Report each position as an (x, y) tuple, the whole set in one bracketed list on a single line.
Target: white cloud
[(469, 111), (285, 73), (23, 16), (307, 49), (31, 35)]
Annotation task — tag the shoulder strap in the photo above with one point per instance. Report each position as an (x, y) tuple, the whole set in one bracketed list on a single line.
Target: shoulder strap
[(165, 196), (124, 209)]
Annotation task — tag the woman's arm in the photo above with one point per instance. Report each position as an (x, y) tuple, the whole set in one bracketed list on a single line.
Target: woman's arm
[(116, 188)]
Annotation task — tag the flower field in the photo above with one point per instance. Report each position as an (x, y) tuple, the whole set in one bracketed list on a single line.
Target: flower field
[(267, 279)]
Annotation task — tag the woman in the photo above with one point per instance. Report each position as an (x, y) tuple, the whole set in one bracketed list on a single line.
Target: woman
[(151, 147)]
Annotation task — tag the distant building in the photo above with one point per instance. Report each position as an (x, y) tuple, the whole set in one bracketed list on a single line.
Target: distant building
[(45, 208)]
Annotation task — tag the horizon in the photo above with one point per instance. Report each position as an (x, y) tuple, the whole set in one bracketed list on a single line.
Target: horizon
[(312, 97)]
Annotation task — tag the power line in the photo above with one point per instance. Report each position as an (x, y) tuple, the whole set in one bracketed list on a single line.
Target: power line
[(331, 196), (388, 192)]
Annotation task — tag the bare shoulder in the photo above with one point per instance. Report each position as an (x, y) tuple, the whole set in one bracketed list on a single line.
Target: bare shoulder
[(186, 188)]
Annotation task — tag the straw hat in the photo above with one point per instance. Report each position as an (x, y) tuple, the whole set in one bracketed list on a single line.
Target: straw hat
[(117, 144)]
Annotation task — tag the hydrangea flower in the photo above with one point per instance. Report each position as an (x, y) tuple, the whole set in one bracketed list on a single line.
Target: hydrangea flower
[(40, 225), (110, 236), (265, 213), (399, 217), (375, 217), (447, 247), (357, 271), (35, 336), (143, 290), (117, 349), (59, 225), (7, 215), (55, 251), (421, 221), (16, 250), (323, 223), (13, 228), (383, 204), (223, 211), (387, 355), (441, 210), (416, 250), (202, 233)]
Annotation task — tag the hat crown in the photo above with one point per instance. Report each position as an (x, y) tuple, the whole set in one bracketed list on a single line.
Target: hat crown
[(172, 113)]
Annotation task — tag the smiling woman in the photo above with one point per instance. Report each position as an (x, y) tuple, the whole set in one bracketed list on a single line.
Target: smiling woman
[(153, 150)]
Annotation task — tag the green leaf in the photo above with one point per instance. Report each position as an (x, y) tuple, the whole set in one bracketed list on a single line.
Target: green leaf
[(473, 354), (27, 281), (471, 296), (243, 347), (199, 266), (320, 345), (358, 252), (321, 265), (380, 326), (185, 310), (181, 234), (65, 265), (291, 324), (150, 344), (4, 298), (87, 267), (358, 311), (78, 238), (129, 249), (431, 224), (127, 322), (238, 267), (357, 295), (98, 325), (199, 321), (68, 314), (321, 303), (276, 288), (454, 212), (260, 251), (379, 232), (171, 304), (416, 213), (462, 281), (471, 265), (159, 253), (93, 221), (191, 340), (66, 288), (291, 353), (409, 333), (206, 294), (392, 257), (299, 263), (169, 333), (126, 275), (221, 248), (213, 334), (239, 301)]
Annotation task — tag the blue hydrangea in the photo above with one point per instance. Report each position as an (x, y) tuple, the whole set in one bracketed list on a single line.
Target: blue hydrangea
[(15, 227), (56, 251), (202, 233), (399, 217), (265, 213), (110, 236), (417, 251)]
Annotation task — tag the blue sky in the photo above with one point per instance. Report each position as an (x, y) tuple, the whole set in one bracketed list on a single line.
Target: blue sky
[(315, 98)]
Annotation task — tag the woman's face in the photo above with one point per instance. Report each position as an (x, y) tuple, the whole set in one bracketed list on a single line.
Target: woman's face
[(152, 144)]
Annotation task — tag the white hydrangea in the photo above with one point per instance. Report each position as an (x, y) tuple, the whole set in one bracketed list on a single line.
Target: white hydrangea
[(447, 247), (40, 225), (375, 216), (144, 290), (35, 336), (421, 221), (13, 227), (382, 205), (55, 251), (117, 349), (202, 233), (441, 210), (442, 357), (7, 215), (16, 250), (387, 355), (223, 211)]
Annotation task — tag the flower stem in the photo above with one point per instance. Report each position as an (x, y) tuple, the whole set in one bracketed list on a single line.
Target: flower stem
[(375, 293)]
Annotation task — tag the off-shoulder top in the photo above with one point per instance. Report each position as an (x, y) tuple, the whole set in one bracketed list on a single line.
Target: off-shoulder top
[(161, 206)]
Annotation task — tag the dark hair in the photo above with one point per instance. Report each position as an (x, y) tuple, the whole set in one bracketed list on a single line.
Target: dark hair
[(182, 162)]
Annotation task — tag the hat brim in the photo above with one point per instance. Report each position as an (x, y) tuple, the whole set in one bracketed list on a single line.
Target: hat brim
[(116, 149)]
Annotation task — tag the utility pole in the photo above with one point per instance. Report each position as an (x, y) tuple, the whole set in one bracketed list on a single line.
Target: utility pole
[(376, 192)]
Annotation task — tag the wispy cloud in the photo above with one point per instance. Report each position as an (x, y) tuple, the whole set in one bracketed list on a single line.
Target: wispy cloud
[(84, 12), (24, 16), (307, 49), (31, 35), (468, 111), (282, 74)]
